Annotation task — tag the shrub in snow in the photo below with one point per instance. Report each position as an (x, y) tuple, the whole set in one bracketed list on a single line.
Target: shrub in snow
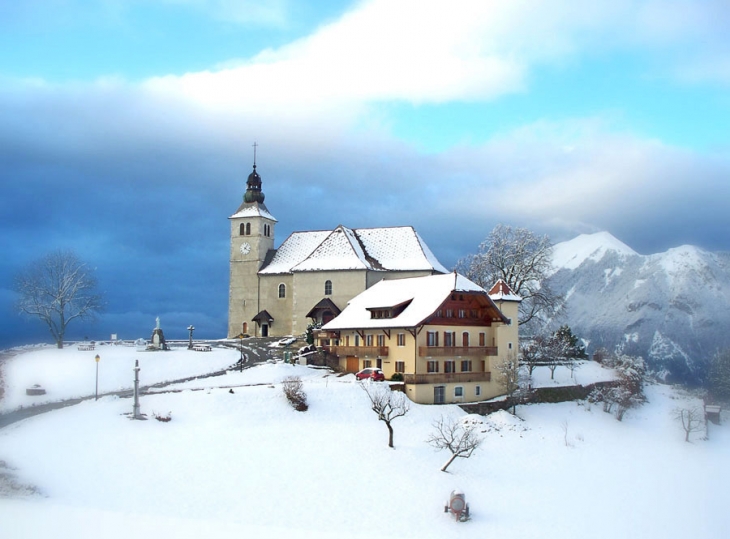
[(293, 390), (628, 392), (163, 418)]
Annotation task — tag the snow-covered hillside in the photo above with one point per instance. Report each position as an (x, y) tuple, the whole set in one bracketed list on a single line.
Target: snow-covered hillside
[(243, 463), (669, 307)]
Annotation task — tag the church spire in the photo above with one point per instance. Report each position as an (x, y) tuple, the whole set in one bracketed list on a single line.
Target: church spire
[(253, 184)]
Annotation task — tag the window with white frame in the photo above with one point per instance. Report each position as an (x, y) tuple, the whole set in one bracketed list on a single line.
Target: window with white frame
[(282, 290), (458, 392), (328, 288)]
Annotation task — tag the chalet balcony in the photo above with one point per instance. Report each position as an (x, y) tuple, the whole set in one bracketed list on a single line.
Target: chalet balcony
[(456, 351), (359, 351), (447, 378)]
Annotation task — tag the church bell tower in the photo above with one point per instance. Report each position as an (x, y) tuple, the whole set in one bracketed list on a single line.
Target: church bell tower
[(252, 237)]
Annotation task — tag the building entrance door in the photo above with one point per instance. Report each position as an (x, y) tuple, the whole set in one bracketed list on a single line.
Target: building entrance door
[(439, 393), (352, 364)]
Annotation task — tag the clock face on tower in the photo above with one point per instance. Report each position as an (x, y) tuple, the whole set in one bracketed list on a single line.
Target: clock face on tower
[(245, 248)]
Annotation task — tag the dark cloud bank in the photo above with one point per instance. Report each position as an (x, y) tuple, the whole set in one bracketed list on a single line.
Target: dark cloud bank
[(141, 189)]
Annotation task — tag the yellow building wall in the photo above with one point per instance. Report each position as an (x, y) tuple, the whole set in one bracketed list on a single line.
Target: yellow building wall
[(498, 334)]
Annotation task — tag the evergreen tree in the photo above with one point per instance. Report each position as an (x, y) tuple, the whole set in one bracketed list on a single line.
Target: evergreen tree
[(571, 346), (719, 377)]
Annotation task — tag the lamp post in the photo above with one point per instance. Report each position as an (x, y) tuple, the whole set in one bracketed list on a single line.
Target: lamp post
[(241, 345), (97, 358), (191, 329)]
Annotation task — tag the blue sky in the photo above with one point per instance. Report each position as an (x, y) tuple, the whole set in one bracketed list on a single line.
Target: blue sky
[(126, 130)]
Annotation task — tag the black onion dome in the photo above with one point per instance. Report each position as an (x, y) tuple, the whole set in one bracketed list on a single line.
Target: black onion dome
[(253, 188)]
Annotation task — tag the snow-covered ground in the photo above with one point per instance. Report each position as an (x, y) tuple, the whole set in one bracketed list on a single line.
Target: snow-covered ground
[(70, 373), (244, 462)]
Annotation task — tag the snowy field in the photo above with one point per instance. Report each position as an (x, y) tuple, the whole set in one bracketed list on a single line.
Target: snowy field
[(245, 462)]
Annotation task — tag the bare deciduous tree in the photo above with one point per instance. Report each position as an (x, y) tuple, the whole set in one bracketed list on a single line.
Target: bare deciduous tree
[(692, 420), (58, 289), (387, 404), (459, 436), (523, 260), (510, 378)]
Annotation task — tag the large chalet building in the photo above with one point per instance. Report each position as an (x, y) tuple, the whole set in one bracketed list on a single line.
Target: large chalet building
[(443, 333), (312, 276)]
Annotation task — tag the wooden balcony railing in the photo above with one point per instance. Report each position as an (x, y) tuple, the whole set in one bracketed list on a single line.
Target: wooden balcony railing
[(446, 378), (456, 351), (359, 351)]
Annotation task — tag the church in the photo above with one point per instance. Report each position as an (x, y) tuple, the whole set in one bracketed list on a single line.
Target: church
[(313, 275)]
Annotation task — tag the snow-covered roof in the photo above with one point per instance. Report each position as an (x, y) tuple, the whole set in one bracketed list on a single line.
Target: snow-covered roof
[(297, 247), (378, 249), (423, 295), (502, 292), (253, 209)]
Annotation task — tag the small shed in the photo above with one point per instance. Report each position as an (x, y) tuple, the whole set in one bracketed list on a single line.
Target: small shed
[(712, 413)]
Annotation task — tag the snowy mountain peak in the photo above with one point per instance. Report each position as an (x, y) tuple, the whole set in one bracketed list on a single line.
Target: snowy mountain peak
[(685, 258), (571, 254)]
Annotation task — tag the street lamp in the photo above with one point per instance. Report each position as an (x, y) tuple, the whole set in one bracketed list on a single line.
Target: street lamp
[(240, 347), (191, 329), (97, 358)]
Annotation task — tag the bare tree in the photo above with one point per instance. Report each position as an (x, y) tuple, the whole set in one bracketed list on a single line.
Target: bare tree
[(523, 260), (509, 378), (692, 420), (459, 436), (58, 289), (387, 404)]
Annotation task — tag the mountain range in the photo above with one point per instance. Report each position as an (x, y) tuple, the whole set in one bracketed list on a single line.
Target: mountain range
[(671, 308)]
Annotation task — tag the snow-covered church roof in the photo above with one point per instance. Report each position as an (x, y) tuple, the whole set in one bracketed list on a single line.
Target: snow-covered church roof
[(384, 249), (421, 295), (253, 209)]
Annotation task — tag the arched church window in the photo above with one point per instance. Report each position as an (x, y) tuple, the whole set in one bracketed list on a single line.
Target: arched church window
[(248, 229), (241, 229), (328, 288), (282, 290)]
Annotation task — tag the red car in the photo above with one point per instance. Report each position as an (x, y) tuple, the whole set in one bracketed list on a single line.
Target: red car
[(375, 374)]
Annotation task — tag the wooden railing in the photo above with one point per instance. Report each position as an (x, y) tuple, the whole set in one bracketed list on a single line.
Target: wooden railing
[(456, 351), (359, 351), (446, 378)]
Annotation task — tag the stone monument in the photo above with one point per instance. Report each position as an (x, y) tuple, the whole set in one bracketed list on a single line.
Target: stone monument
[(158, 338)]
